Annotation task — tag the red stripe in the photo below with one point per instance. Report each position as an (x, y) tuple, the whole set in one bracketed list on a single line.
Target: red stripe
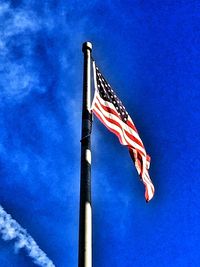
[(130, 124), (125, 132), (150, 182), (133, 138), (148, 158), (134, 160), (112, 111), (132, 153), (141, 163), (147, 190), (146, 180), (110, 129), (130, 150), (108, 109)]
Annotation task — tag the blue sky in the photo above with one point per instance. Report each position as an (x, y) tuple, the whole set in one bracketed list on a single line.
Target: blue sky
[(149, 53)]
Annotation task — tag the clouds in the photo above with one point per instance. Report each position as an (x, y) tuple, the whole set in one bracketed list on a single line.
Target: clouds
[(17, 75), (40, 115), (11, 230), (40, 107)]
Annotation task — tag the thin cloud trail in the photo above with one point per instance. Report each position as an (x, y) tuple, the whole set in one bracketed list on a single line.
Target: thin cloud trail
[(11, 230)]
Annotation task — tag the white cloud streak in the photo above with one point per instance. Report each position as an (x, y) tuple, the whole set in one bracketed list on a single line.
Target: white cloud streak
[(11, 230)]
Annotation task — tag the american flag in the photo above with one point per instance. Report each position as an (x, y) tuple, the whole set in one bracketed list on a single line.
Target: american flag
[(111, 112)]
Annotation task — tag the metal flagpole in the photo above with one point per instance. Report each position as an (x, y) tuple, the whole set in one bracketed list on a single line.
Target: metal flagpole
[(85, 216)]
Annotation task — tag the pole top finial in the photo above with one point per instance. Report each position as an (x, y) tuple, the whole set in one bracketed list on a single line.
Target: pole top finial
[(86, 45)]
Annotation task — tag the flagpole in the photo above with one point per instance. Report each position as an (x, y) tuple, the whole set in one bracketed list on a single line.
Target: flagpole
[(85, 215)]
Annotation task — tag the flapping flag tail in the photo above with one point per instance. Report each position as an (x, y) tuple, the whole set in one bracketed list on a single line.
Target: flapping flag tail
[(110, 111)]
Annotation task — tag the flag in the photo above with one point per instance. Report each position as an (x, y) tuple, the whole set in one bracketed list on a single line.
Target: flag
[(110, 111)]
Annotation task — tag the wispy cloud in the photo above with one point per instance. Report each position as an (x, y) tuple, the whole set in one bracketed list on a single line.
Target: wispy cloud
[(11, 230), (17, 77)]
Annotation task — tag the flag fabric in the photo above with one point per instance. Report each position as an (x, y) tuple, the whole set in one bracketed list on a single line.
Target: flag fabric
[(111, 112)]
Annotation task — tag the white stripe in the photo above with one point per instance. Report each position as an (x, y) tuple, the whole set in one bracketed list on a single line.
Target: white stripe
[(144, 164), (112, 126), (124, 125), (149, 180), (115, 118), (145, 178), (125, 140), (128, 141), (149, 184)]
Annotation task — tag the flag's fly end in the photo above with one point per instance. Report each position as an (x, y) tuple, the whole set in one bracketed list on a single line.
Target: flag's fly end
[(111, 112)]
